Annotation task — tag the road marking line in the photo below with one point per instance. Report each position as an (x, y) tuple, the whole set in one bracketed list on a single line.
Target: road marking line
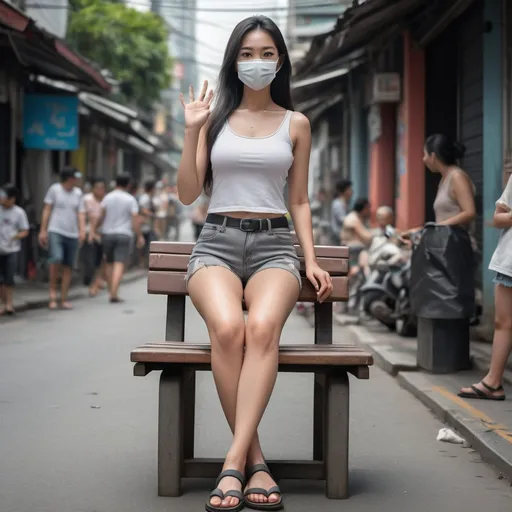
[(503, 431)]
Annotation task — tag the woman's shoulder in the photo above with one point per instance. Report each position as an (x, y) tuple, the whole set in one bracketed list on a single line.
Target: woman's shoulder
[(299, 125), (459, 176), (299, 119)]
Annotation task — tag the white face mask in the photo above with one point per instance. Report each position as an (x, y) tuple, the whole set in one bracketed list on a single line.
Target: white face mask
[(257, 74)]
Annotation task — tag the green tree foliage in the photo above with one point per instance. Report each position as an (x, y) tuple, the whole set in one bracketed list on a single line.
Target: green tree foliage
[(129, 43)]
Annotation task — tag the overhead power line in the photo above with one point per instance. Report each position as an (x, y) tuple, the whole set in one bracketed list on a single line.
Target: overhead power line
[(168, 4)]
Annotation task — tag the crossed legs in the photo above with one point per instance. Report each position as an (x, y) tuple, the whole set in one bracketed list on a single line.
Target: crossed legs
[(244, 381)]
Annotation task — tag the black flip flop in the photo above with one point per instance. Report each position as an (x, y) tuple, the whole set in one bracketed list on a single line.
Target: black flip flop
[(264, 492), (478, 394), (217, 493)]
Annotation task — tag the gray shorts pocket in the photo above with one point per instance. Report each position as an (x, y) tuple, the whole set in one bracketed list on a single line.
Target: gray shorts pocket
[(284, 235), (209, 232)]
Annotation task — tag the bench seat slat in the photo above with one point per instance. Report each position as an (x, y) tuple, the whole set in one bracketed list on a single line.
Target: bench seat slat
[(321, 251), (179, 262), (162, 282), (309, 355), (185, 345)]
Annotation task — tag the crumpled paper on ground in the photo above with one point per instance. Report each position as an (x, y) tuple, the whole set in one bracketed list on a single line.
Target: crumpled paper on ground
[(447, 435)]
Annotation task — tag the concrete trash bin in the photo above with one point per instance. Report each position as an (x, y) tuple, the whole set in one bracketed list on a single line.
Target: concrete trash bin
[(443, 345)]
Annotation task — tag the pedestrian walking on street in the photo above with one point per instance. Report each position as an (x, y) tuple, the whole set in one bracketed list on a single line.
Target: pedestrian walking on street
[(491, 386), (243, 154), (147, 211), (340, 208), (118, 222), (94, 262), (62, 230), (13, 228)]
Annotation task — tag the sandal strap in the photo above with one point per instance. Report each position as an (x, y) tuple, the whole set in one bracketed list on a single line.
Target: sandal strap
[(257, 469), (234, 493), (256, 490), (217, 493), (479, 392), (233, 473), (489, 388), (274, 490)]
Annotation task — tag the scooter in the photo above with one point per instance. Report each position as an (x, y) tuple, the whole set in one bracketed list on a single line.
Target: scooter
[(385, 295)]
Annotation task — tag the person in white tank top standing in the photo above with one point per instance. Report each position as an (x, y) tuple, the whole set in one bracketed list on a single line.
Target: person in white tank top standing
[(242, 151)]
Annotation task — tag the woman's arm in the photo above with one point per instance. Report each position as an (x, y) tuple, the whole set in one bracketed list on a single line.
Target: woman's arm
[(501, 219), (298, 201), (194, 158), (462, 190), (193, 163), (364, 235)]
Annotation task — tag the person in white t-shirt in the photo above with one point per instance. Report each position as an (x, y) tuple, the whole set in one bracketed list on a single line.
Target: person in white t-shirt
[(95, 268), (13, 228), (491, 386), (62, 231), (118, 221)]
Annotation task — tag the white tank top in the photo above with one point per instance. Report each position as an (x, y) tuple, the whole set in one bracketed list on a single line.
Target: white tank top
[(249, 173)]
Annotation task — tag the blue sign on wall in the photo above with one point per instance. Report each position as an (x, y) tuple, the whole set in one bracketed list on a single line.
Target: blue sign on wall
[(50, 122)]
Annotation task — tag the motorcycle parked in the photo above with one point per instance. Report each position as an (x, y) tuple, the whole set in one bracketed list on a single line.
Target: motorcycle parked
[(385, 295)]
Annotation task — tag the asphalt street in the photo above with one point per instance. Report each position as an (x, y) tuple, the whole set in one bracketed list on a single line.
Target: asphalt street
[(78, 431)]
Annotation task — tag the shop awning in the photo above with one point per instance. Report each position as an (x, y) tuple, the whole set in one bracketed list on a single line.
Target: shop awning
[(324, 77), (312, 104), (144, 150), (125, 120), (316, 113), (357, 27), (40, 52)]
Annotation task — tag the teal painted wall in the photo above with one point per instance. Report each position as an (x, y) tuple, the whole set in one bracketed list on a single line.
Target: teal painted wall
[(358, 140), (493, 139)]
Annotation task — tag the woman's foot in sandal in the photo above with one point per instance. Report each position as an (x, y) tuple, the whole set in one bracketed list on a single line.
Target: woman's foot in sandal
[(483, 391), (227, 495), (53, 304), (262, 492)]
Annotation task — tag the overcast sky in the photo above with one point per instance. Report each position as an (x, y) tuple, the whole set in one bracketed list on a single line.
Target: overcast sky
[(213, 28)]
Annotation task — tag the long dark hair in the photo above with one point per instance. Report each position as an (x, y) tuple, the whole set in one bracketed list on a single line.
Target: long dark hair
[(449, 151), (230, 89)]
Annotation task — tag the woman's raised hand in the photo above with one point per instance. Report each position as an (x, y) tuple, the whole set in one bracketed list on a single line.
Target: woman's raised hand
[(197, 111)]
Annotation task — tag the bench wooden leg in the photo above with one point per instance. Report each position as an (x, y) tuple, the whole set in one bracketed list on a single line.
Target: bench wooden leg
[(175, 331), (319, 417), (337, 432), (189, 413), (170, 432), (323, 336)]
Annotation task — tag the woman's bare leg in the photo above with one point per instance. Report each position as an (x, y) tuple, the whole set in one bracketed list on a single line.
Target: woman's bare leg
[(502, 342), (270, 296), (217, 295)]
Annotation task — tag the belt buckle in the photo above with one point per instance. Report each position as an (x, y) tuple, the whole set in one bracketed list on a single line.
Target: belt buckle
[(250, 225)]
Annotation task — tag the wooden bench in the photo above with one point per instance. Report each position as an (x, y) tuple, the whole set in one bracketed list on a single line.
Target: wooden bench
[(179, 362)]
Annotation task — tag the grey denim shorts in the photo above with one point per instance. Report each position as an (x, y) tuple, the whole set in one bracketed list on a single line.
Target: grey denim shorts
[(244, 253)]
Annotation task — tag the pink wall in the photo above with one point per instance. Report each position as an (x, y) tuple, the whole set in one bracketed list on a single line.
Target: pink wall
[(410, 205), (382, 161)]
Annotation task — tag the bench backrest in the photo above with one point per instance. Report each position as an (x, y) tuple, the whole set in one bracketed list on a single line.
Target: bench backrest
[(168, 266)]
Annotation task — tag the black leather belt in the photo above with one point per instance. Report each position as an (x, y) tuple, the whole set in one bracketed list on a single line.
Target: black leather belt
[(248, 225)]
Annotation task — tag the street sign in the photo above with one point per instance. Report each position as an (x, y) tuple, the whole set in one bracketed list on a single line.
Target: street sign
[(50, 122)]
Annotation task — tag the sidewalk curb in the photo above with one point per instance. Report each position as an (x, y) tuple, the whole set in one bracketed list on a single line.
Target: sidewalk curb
[(385, 357), (82, 293), (480, 435)]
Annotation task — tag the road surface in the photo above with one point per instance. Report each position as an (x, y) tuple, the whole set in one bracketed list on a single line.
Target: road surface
[(78, 431)]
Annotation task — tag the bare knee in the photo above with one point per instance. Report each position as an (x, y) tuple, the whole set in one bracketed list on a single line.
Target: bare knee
[(262, 334), (503, 322), (227, 335)]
